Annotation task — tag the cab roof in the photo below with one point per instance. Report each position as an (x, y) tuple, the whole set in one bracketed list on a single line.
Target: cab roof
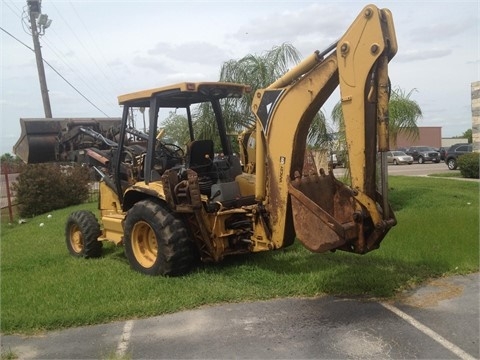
[(184, 94)]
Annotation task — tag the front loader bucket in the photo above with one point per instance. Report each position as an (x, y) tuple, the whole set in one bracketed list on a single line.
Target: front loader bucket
[(42, 139), (37, 141), (327, 216)]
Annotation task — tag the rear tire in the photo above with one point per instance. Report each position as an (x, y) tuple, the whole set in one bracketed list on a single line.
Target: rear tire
[(156, 241), (421, 160), (81, 233)]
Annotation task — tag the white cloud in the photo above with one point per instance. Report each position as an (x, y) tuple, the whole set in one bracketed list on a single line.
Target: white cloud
[(194, 52), (423, 54)]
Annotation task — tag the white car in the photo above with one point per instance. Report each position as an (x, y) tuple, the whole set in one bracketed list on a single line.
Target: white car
[(399, 157), (332, 159)]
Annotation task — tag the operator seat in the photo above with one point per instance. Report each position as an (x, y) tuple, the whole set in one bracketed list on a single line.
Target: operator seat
[(200, 156)]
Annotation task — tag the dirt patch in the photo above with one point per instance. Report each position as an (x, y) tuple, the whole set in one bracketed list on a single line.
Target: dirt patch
[(432, 293)]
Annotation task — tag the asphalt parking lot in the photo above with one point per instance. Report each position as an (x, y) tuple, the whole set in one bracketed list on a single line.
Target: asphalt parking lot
[(439, 320)]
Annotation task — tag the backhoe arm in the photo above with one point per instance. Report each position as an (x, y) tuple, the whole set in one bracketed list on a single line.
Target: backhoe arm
[(325, 213)]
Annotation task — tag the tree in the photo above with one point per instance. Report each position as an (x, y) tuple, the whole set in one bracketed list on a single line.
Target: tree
[(10, 162), (257, 71), (7, 157), (403, 116), (468, 135), (320, 134), (176, 128)]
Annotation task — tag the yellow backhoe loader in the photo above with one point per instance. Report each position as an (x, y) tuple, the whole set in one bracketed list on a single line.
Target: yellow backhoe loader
[(169, 207)]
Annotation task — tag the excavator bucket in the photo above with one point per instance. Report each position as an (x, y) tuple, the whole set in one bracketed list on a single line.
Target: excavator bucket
[(44, 140), (327, 216)]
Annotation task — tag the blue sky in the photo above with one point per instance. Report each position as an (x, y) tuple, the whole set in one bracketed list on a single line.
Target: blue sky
[(107, 48)]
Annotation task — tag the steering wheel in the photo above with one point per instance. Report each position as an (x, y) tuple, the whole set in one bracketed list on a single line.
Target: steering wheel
[(171, 151)]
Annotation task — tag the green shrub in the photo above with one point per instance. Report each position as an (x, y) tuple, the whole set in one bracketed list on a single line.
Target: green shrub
[(44, 187), (469, 165)]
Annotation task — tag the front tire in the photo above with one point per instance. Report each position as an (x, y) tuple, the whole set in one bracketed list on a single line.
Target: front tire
[(395, 162), (81, 233), (452, 164), (156, 241), (421, 160)]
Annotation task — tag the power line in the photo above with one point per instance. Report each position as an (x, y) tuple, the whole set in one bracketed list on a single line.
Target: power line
[(82, 44), (78, 72), (6, 4), (20, 41), (55, 70), (98, 50)]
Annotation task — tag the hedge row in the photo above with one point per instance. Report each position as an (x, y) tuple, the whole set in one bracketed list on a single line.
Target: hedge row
[(44, 187), (469, 165)]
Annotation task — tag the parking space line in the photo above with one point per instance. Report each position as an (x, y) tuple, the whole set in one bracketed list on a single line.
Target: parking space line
[(429, 332), (125, 338)]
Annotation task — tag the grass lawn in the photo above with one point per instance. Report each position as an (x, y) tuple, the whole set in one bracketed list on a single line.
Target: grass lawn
[(450, 174), (44, 288)]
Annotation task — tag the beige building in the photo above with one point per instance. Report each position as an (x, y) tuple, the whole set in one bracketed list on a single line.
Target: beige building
[(428, 136)]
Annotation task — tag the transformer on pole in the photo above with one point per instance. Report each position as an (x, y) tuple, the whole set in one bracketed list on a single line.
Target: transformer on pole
[(37, 18)]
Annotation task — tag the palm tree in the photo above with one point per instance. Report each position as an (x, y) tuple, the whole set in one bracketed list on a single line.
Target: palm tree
[(257, 71), (403, 116), (320, 134)]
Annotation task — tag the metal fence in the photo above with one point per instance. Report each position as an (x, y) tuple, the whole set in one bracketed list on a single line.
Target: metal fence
[(93, 191), (7, 197)]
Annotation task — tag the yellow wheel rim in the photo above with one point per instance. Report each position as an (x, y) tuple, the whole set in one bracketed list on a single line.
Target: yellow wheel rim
[(144, 244), (76, 239)]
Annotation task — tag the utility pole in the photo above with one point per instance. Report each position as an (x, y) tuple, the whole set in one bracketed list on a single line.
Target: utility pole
[(34, 9)]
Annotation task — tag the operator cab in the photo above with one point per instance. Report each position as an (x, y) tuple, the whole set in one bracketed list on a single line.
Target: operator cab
[(212, 159)]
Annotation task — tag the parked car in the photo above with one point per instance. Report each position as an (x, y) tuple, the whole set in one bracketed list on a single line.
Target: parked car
[(422, 154), (332, 159), (454, 151), (442, 150), (340, 155), (398, 157)]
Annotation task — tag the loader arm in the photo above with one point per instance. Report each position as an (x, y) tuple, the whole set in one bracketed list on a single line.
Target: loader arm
[(326, 213), (63, 139)]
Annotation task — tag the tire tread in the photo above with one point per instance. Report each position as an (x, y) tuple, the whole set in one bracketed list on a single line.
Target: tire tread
[(175, 249), (90, 229)]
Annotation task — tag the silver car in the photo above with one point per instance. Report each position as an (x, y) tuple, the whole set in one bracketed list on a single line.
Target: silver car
[(399, 157)]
